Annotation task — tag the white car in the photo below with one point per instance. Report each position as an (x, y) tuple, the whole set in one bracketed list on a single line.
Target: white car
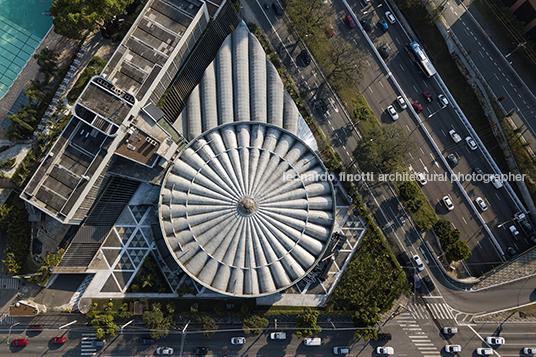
[(514, 231), (453, 348), (385, 350), (392, 112), (238, 340), (421, 178), (448, 203), (472, 144), (480, 202), (497, 341), (529, 350), (278, 336), (450, 330), (390, 17), (418, 262), (443, 100), (484, 351), (402, 102), (164, 351), (455, 136), (341, 350)]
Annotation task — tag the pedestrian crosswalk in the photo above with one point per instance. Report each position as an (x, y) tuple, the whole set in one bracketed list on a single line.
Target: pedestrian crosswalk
[(86, 344), (8, 283), (5, 319), (409, 324), (428, 311), (73, 303)]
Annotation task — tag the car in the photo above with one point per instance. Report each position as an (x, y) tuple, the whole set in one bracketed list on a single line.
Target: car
[(98, 343), (421, 178), (448, 203), (36, 327), (495, 340), (455, 136), (367, 1), (321, 105), (146, 341), (496, 181), (392, 112), (306, 57), (484, 351), (428, 96), (383, 25), (383, 52), (478, 171), (164, 351), (20, 342), (450, 330), (390, 17), (350, 21), (529, 350), (58, 340), (511, 252), (453, 161), (418, 263), (453, 348), (329, 30), (472, 144), (366, 25), (429, 283), (384, 337), (443, 100), (385, 350), (278, 336), (238, 340), (278, 8), (480, 203), (417, 106), (514, 231), (341, 350), (200, 351), (417, 282), (401, 102)]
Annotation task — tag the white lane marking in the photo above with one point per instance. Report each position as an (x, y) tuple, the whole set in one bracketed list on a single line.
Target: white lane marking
[(401, 67)]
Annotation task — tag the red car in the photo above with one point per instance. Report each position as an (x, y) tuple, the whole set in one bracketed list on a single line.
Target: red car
[(417, 106), (20, 342), (350, 21), (36, 327), (428, 96), (330, 31), (58, 340)]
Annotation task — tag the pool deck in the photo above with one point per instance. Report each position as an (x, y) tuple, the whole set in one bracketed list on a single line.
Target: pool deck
[(66, 48)]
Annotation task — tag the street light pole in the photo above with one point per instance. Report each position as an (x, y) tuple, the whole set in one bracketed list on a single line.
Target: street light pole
[(521, 44), (125, 325), (183, 333), (9, 334)]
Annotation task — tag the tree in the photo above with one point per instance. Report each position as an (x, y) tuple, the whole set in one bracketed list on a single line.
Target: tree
[(22, 124), (254, 324), (458, 251), (408, 190), (47, 60), (442, 228), (10, 264), (348, 64), (307, 322), (75, 18), (384, 147), (157, 323), (208, 325), (100, 322)]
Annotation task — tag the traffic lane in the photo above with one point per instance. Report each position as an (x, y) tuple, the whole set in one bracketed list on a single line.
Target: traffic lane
[(516, 337)]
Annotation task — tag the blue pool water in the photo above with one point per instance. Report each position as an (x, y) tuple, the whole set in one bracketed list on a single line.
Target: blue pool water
[(23, 24)]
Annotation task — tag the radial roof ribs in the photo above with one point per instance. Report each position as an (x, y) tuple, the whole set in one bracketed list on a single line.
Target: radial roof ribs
[(244, 209), (241, 84)]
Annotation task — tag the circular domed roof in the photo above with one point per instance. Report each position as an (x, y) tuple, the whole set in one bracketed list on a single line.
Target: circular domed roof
[(246, 209)]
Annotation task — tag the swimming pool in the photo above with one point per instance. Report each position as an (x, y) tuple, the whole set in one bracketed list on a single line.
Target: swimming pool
[(23, 24)]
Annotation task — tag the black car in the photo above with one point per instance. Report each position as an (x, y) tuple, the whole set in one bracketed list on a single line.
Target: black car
[(429, 283), (306, 57), (278, 8), (453, 161), (146, 341), (384, 337), (321, 105), (200, 351), (383, 52), (366, 25), (478, 171), (511, 252)]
